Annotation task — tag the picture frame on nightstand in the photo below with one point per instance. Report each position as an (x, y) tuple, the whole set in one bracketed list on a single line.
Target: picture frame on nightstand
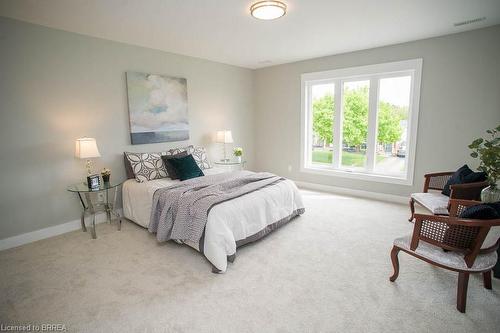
[(93, 181)]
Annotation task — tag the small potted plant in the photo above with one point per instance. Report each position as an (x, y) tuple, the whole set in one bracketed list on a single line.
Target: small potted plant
[(105, 173), (488, 152), (238, 152)]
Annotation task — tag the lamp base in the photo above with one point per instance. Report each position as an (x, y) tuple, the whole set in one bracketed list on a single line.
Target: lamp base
[(88, 165)]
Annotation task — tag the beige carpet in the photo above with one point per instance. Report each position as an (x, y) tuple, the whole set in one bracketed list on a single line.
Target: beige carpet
[(326, 271)]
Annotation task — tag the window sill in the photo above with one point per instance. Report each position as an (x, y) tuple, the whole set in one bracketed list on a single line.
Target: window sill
[(327, 171)]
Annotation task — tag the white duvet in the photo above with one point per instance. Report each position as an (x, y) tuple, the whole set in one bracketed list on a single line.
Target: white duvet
[(229, 221)]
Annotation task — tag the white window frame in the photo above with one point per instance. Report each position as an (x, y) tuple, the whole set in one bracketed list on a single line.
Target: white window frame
[(372, 73)]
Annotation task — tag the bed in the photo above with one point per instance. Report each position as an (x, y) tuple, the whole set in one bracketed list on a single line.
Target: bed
[(231, 223)]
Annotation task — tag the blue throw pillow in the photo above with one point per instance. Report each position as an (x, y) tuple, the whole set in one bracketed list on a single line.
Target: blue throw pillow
[(488, 211), (463, 175), (186, 167), (171, 171)]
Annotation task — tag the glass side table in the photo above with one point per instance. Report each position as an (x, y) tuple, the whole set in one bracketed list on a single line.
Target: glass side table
[(93, 207), (231, 164)]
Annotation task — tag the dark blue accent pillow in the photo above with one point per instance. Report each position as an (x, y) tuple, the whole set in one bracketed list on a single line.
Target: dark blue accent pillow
[(186, 167), (171, 171), (463, 175), (487, 211)]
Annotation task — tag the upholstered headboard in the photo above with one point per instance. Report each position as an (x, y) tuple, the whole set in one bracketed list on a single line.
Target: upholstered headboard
[(128, 167)]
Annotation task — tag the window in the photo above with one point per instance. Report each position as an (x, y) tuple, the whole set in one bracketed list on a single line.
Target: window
[(361, 122)]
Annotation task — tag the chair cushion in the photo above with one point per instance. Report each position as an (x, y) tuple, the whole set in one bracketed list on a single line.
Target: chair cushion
[(491, 238), (435, 202), (463, 175), (449, 259)]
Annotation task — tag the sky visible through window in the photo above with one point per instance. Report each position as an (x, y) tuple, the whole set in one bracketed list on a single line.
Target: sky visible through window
[(396, 91)]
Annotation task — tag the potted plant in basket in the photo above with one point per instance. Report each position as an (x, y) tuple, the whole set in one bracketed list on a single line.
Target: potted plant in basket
[(238, 152), (488, 152)]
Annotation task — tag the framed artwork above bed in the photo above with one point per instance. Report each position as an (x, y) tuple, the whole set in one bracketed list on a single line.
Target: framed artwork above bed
[(157, 108)]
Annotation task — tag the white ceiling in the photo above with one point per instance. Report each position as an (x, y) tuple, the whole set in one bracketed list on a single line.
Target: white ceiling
[(224, 31)]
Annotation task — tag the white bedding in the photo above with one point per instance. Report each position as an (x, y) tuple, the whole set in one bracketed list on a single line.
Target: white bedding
[(229, 221)]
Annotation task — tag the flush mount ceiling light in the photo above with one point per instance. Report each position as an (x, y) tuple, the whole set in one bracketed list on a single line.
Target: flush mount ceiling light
[(268, 10)]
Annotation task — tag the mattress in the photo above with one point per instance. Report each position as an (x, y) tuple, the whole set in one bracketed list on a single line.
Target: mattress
[(228, 222)]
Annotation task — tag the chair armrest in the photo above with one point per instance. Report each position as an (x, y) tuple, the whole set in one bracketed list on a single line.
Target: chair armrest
[(469, 191), (436, 180), (455, 221), (436, 174), (457, 206), (451, 233)]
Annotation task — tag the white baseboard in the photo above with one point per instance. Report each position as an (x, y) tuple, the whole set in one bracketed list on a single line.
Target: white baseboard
[(352, 192), (56, 230), (33, 236)]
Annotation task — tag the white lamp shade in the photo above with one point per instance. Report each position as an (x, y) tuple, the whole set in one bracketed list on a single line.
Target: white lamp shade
[(224, 137), (86, 148)]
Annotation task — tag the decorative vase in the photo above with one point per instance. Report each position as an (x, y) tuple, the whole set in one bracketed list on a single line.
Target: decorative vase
[(105, 178), (238, 158), (490, 194)]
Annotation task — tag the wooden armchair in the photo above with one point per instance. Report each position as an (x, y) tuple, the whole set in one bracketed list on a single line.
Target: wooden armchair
[(468, 249), (438, 203)]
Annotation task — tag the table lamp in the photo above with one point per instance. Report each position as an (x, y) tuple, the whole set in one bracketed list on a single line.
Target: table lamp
[(86, 148), (224, 137)]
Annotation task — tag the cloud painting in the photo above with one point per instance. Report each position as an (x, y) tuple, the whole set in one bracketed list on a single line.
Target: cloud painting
[(157, 107)]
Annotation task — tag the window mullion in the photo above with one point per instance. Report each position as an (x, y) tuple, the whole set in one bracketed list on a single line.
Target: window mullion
[(371, 144), (337, 125), (309, 122)]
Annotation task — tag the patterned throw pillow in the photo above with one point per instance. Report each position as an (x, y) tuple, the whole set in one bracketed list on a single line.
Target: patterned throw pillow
[(200, 156), (147, 166), (175, 151)]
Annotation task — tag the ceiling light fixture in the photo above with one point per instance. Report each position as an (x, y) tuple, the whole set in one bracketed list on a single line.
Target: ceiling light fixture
[(268, 10)]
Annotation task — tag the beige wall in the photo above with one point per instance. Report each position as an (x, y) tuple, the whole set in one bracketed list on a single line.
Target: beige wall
[(460, 99), (57, 86)]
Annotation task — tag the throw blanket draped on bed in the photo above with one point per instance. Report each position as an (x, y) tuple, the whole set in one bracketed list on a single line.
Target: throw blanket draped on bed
[(181, 211)]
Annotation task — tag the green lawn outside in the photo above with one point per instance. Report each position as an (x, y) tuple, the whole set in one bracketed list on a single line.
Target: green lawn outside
[(348, 158)]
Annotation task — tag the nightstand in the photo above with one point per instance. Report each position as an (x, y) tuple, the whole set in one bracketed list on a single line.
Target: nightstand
[(92, 207), (231, 165)]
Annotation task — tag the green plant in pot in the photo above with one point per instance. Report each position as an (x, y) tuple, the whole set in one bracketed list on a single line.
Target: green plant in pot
[(238, 152), (488, 152), (105, 173)]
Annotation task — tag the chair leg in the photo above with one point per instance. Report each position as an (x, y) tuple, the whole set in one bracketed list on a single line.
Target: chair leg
[(487, 280), (463, 282), (395, 263), (412, 209)]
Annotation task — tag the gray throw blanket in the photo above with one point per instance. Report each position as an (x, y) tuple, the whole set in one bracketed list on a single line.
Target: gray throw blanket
[(181, 211)]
